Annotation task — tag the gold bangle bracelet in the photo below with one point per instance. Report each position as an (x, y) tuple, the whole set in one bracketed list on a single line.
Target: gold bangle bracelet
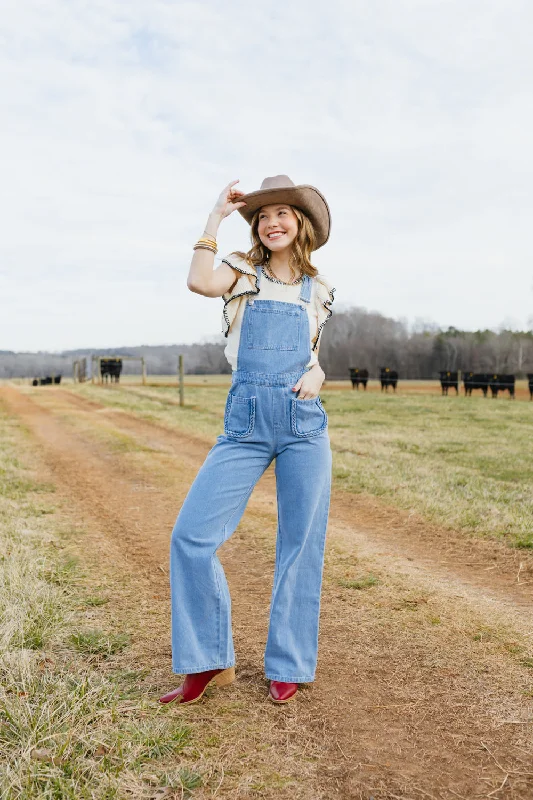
[(208, 236), (208, 241), (205, 247)]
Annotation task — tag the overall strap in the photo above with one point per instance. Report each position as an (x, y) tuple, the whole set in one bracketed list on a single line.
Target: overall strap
[(305, 293)]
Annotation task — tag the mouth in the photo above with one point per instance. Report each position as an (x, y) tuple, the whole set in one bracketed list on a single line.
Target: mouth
[(275, 235)]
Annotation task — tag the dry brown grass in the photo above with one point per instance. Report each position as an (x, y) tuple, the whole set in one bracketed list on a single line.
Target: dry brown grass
[(423, 690), (464, 463)]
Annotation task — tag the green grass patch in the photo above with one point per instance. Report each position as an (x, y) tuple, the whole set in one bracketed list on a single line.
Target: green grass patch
[(366, 582), (526, 542), (95, 600), (98, 643), (152, 739), (61, 573)]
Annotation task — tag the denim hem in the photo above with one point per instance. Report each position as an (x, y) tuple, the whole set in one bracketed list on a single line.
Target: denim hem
[(192, 670), (305, 679)]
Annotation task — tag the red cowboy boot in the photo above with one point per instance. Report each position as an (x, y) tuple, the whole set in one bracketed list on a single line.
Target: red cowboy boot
[(281, 692), (195, 685)]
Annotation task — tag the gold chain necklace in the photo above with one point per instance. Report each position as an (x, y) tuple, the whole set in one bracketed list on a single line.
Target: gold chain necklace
[(277, 280)]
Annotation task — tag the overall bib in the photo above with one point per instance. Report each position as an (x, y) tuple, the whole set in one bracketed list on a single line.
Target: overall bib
[(263, 420)]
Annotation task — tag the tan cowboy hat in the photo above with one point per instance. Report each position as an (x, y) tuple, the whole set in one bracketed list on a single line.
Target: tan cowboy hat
[(280, 189)]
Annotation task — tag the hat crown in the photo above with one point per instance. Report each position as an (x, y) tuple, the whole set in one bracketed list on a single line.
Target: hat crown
[(280, 189), (277, 182)]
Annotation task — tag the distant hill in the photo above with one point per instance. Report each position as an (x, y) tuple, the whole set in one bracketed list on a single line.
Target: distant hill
[(353, 337), (205, 358)]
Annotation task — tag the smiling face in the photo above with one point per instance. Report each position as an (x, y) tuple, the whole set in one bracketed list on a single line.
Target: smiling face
[(277, 226)]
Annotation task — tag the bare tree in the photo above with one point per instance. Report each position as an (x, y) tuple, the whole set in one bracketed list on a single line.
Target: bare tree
[(353, 337)]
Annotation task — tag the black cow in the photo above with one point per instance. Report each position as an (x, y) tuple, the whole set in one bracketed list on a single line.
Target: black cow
[(499, 383), (494, 384), (449, 380), (530, 384), (358, 376), (388, 377), (111, 368), (476, 380), (46, 381)]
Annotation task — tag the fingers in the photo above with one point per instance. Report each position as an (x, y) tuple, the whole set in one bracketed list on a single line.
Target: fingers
[(304, 394), (233, 195), (230, 190)]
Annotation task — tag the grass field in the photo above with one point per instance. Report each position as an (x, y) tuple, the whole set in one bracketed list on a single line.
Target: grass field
[(73, 723), (424, 686), (465, 463)]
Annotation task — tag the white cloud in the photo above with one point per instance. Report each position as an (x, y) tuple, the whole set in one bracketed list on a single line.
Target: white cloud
[(121, 122)]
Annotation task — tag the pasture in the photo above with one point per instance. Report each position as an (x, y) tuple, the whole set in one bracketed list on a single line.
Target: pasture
[(425, 680), (465, 463)]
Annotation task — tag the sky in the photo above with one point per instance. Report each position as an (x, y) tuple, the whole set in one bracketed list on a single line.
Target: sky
[(122, 120)]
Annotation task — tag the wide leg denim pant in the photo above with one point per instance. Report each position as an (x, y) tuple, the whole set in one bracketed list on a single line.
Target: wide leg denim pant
[(263, 421)]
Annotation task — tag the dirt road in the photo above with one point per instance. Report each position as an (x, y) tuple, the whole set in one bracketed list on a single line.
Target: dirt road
[(424, 687)]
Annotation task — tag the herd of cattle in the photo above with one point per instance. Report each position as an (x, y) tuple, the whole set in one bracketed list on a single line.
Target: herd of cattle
[(388, 377), (496, 382), (110, 368), (46, 381)]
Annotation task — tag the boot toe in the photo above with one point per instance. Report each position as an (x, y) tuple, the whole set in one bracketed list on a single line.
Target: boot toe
[(281, 692), (174, 695)]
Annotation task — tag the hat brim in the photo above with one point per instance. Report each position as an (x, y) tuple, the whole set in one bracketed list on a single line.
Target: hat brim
[(306, 198)]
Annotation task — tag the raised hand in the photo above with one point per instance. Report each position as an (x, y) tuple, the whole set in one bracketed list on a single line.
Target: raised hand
[(228, 200)]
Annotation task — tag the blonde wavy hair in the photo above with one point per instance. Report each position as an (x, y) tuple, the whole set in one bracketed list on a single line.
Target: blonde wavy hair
[(302, 246)]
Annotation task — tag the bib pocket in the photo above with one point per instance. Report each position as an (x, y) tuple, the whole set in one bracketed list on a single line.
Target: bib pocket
[(239, 416), (273, 329), (308, 417)]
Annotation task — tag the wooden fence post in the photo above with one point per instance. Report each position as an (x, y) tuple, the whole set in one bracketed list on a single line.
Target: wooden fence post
[(180, 370)]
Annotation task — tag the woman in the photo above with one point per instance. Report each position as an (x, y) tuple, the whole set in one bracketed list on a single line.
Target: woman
[(275, 307)]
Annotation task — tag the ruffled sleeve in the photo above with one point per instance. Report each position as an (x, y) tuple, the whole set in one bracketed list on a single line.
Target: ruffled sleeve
[(246, 284), (325, 295)]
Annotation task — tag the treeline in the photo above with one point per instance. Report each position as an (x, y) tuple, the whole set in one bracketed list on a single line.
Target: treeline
[(358, 338), (199, 359), (351, 338)]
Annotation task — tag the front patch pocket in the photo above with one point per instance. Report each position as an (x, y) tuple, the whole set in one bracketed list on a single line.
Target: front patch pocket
[(273, 329), (308, 417), (239, 416)]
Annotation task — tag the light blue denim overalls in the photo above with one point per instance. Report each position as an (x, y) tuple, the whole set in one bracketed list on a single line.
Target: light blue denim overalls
[(263, 420)]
